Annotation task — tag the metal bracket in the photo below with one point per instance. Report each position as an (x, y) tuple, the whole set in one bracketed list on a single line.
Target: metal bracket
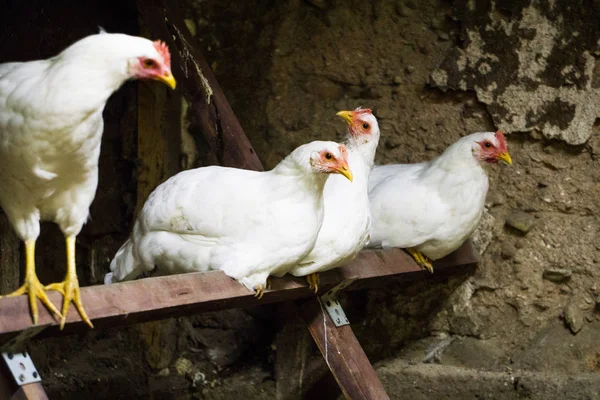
[(21, 367), (332, 305)]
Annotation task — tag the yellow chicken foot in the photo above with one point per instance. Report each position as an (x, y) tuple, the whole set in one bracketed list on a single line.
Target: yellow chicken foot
[(70, 287), (269, 283), (313, 281), (259, 291), (423, 261), (32, 286)]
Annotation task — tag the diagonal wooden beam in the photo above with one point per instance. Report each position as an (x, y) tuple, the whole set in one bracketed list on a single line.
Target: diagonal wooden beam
[(211, 119), (179, 295), (342, 352)]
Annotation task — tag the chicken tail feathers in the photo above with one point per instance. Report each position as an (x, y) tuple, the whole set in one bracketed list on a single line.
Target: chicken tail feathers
[(108, 278), (124, 266)]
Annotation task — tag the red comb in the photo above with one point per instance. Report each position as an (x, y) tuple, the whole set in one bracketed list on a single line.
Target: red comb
[(360, 110), (500, 136), (344, 151), (163, 50), (501, 140)]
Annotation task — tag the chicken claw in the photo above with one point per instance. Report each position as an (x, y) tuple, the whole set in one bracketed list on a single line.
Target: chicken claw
[(423, 261), (313, 281), (70, 291), (70, 287), (32, 286), (259, 291)]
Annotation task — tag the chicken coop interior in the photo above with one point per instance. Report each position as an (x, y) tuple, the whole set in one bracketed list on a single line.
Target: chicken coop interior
[(482, 120)]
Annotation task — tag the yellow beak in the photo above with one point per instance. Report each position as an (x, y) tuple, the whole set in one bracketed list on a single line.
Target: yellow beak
[(504, 156), (344, 170), (346, 115), (167, 79)]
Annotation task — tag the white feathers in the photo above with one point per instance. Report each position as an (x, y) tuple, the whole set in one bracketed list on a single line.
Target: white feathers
[(433, 206), (347, 219), (252, 225), (248, 224), (108, 278), (51, 126)]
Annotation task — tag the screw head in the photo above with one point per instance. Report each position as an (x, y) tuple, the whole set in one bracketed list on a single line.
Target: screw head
[(22, 378)]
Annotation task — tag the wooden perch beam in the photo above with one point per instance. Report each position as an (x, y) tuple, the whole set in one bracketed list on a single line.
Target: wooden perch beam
[(178, 295)]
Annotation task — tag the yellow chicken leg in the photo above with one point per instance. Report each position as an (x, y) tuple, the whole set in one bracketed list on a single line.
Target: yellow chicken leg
[(313, 281), (423, 261), (259, 291), (70, 287), (32, 286)]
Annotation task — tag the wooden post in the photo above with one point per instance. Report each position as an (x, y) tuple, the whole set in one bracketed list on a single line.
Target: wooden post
[(32, 391), (210, 121), (158, 150), (343, 353)]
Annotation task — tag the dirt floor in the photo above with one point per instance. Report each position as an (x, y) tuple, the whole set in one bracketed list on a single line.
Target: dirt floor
[(432, 71)]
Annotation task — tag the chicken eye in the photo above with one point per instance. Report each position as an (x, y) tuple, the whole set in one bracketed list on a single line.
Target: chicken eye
[(148, 63), (365, 126), (328, 156), (488, 144)]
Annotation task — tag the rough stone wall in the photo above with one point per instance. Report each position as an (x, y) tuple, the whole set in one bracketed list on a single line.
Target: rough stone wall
[(531, 63)]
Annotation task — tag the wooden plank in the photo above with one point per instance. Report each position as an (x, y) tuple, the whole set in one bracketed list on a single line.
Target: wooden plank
[(211, 120), (32, 391), (343, 354), (178, 295)]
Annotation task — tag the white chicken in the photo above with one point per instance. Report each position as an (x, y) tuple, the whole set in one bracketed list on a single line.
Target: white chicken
[(248, 224), (431, 208), (50, 130), (347, 221)]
